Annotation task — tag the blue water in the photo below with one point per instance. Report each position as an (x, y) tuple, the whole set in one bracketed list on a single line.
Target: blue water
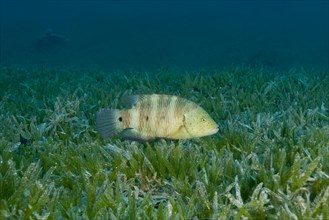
[(164, 34)]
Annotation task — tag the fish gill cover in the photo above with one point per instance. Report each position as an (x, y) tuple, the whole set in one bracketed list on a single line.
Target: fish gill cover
[(269, 159)]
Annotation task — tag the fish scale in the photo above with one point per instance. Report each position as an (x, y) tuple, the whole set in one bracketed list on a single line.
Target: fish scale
[(145, 109)]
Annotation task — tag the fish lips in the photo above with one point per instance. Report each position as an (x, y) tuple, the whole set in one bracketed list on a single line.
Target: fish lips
[(212, 131)]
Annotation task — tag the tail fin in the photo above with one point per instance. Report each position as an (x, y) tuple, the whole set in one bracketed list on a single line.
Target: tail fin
[(107, 122)]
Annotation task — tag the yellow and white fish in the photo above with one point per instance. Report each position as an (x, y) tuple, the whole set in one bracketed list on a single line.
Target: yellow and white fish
[(147, 117)]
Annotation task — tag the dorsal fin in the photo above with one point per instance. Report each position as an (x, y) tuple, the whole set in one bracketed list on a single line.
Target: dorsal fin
[(130, 100)]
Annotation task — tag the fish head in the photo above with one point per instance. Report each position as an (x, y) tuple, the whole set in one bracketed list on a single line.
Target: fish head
[(198, 123)]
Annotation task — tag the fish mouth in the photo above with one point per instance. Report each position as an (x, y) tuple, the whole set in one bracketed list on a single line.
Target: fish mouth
[(213, 131)]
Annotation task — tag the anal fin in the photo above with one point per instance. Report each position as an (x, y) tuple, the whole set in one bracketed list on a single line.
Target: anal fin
[(132, 134)]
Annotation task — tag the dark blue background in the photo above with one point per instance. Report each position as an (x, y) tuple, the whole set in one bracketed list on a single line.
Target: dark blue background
[(159, 34)]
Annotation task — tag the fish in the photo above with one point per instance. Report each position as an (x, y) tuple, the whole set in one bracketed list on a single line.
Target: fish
[(152, 116)]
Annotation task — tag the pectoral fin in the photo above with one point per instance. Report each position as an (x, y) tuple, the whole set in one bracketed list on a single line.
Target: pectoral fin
[(180, 133)]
